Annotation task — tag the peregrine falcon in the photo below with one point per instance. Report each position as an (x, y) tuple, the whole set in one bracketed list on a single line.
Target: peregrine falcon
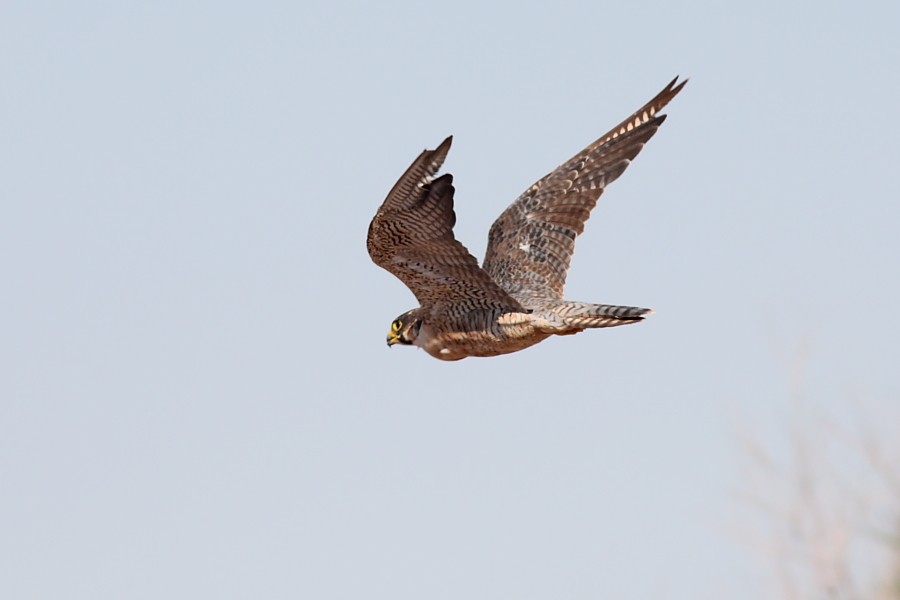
[(515, 299)]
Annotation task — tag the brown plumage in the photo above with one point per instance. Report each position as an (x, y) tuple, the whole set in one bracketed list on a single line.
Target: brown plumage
[(516, 299)]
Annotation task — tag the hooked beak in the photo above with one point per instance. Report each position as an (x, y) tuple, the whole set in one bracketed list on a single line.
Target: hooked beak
[(392, 339)]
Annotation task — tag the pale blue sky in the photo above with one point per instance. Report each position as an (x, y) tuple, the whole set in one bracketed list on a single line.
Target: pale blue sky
[(195, 396)]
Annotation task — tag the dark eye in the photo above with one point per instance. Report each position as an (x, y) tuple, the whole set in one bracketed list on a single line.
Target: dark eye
[(396, 325)]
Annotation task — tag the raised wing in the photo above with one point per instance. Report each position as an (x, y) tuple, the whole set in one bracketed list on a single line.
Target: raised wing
[(530, 245), (411, 236)]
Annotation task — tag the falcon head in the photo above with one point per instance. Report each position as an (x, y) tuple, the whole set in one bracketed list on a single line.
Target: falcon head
[(405, 328)]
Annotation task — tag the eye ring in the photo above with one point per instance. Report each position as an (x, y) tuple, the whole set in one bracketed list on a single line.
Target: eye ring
[(396, 325)]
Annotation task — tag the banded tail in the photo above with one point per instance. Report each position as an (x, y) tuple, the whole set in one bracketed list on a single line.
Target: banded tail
[(583, 315)]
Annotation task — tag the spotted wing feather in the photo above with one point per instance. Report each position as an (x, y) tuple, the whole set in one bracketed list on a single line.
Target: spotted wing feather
[(530, 245), (411, 236)]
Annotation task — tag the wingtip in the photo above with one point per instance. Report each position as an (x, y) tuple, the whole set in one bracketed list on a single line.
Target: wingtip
[(437, 156), (677, 88), (665, 96), (440, 153)]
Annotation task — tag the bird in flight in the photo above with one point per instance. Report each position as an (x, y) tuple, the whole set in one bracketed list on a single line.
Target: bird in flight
[(515, 299)]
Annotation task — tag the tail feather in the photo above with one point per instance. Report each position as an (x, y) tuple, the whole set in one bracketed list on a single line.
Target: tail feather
[(582, 315)]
